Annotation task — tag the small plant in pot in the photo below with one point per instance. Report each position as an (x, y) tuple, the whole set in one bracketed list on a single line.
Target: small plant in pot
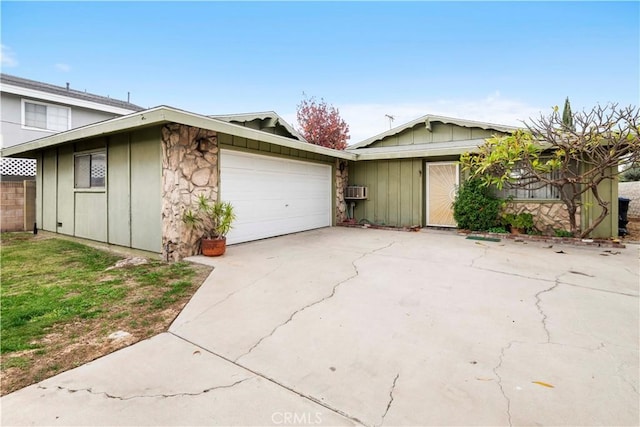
[(520, 223), (213, 219)]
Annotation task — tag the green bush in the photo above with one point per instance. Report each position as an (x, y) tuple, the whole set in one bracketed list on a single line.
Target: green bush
[(522, 221), (500, 230), (631, 174), (562, 233), (475, 207)]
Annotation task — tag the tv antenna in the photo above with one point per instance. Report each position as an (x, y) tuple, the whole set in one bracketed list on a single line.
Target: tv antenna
[(391, 119)]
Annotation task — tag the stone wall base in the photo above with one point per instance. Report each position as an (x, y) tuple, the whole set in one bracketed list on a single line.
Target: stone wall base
[(547, 217)]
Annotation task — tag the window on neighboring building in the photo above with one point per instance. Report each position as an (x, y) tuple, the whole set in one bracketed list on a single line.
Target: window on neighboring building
[(45, 116), (90, 170)]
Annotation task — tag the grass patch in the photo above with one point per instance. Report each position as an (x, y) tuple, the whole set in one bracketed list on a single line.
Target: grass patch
[(58, 304)]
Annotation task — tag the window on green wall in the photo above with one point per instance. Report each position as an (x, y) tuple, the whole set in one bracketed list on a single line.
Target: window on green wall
[(90, 170)]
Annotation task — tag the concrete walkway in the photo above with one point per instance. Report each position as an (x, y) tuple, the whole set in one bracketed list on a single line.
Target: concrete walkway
[(349, 326)]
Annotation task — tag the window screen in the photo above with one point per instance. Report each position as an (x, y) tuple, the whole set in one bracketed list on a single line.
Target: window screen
[(90, 170)]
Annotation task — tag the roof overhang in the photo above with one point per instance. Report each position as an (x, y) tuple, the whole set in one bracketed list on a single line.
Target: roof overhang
[(271, 116), (60, 99), (162, 115), (434, 149)]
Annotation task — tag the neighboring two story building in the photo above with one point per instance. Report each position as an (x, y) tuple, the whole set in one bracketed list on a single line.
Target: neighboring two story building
[(33, 110)]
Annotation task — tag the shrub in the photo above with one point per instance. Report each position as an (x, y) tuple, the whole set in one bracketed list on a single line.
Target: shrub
[(500, 230), (522, 221), (562, 233), (475, 207), (631, 174)]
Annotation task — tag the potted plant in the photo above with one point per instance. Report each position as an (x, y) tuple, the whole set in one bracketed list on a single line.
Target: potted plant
[(213, 219), (520, 223)]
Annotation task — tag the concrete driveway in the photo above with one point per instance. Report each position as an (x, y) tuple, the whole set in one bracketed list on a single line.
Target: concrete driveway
[(349, 326)]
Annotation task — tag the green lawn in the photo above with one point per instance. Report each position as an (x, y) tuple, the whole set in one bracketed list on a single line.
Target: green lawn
[(51, 284)]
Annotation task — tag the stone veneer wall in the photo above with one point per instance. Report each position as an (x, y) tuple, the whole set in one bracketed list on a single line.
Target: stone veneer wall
[(189, 168), (547, 217), (342, 180)]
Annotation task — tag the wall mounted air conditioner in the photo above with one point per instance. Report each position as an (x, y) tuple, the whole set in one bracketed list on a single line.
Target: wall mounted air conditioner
[(356, 192)]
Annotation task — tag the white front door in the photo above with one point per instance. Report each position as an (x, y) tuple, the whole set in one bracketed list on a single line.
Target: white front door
[(442, 179), (273, 196)]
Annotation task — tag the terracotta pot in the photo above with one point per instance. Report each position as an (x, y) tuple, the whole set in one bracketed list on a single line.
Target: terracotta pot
[(213, 247)]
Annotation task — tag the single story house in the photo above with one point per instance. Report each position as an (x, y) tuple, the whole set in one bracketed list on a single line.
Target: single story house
[(412, 174), (128, 180)]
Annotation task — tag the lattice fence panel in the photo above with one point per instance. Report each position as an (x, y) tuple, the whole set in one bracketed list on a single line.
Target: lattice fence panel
[(17, 167)]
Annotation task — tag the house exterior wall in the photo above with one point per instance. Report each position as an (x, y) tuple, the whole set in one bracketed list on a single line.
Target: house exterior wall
[(12, 131), (125, 212), (608, 190), (395, 189), (440, 132)]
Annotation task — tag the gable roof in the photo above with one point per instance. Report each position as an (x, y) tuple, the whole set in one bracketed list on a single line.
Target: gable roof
[(64, 95), (163, 115), (427, 120), (273, 119)]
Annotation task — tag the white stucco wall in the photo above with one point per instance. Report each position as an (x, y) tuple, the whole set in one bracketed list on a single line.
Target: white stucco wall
[(631, 190)]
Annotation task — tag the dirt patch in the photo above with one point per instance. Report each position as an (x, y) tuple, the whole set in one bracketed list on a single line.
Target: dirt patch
[(73, 344)]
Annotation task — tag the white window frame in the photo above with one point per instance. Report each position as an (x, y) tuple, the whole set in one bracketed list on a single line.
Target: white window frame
[(31, 101)]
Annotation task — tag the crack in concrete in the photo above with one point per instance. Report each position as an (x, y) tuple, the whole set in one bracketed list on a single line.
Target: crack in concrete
[(142, 396), (541, 311), (598, 289), (499, 382), (273, 381), (209, 308), (473, 261), (311, 304), (393, 386)]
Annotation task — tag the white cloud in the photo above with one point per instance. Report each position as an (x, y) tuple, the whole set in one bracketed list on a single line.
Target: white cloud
[(7, 57), (367, 120), (63, 67)]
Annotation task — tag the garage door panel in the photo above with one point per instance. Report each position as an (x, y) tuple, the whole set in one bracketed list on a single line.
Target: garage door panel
[(274, 196)]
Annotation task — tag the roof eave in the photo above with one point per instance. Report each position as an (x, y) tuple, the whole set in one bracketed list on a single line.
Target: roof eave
[(61, 99), (162, 115)]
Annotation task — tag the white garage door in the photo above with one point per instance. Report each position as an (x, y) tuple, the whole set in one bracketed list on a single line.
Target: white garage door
[(274, 196)]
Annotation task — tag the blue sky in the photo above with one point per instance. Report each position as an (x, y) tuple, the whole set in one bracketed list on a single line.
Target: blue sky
[(500, 62)]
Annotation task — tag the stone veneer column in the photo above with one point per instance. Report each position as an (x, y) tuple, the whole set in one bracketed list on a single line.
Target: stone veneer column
[(342, 180), (189, 168)]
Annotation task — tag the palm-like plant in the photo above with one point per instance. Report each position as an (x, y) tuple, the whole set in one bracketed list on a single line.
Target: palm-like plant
[(212, 218)]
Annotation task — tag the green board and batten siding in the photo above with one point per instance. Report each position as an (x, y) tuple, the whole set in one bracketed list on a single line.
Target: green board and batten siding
[(260, 147), (115, 214), (146, 189), (395, 191), (440, 132), (119, 202), (396, 187)]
